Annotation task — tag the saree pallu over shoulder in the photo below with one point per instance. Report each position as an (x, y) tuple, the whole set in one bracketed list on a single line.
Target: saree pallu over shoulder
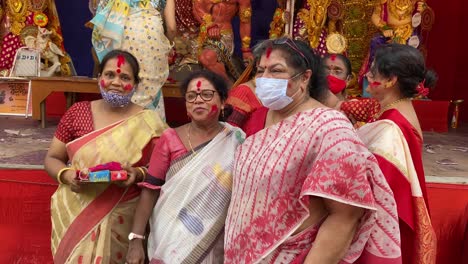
[(385, 139), (313, 153), (188, 219), (75, 215)]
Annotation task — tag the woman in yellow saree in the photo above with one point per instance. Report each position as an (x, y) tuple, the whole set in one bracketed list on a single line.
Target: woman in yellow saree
[(90, 222)]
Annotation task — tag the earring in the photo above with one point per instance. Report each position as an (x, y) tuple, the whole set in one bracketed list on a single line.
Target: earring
[(222, 113)]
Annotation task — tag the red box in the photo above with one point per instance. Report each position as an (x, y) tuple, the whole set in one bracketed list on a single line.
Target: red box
[(119, 175)]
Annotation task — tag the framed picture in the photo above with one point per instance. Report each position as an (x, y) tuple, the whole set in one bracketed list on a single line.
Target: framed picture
[(14, 97)]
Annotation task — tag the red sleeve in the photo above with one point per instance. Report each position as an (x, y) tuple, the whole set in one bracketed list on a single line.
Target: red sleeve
[(256, 122), (159, 164), (65, 131), (361, 110)]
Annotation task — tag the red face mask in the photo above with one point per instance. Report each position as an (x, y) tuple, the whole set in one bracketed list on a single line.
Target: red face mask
[(335, 85)]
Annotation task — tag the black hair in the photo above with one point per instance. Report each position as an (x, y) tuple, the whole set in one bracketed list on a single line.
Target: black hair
[(218, 82), (407, 64), (345, 61), (128, 57), (301, 62)]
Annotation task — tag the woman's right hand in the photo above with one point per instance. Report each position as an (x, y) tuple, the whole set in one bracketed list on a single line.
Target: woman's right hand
[(69, 178), (136, 254)]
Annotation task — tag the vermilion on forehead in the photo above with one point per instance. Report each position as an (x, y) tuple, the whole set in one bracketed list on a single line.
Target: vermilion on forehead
[(199, 84), (120, 61)]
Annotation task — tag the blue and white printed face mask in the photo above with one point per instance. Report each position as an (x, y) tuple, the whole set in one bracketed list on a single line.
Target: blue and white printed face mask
[(116, 100), (272, 92)]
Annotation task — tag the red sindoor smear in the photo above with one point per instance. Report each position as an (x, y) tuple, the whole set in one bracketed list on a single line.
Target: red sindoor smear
[(373, 84), (128, 87), (103, 83), (120, 60), (268, 52), (214, 110)]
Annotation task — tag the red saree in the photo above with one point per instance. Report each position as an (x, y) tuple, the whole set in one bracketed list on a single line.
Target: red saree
[(244, 103), (417, 235)]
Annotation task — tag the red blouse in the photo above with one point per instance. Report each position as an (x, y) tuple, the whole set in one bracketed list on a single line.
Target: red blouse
[(77, 122)]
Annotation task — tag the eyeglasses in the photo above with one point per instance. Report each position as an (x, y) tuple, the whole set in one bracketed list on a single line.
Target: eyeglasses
[(334, 71), (205, 95), (292, 45)]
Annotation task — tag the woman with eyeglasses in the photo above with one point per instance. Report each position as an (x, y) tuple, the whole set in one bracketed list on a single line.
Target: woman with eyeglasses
[(397, 74), (188, 189), (305, 189), (338, 68)]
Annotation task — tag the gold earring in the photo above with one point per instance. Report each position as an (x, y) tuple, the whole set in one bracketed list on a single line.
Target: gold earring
[(222, 113)]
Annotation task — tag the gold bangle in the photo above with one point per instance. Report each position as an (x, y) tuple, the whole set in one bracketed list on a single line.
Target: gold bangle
[(59, 174), (143, 173)]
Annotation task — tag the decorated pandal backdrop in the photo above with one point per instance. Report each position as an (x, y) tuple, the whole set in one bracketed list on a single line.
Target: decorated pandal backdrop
[(34, 25), (353, 28)]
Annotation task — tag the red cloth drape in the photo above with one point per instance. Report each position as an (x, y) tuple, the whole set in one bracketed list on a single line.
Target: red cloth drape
[(25, 225), (446, 52), (25, 218)]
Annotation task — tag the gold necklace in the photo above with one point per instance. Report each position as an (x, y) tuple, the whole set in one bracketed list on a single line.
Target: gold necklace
[(189, 142), (385, 108)]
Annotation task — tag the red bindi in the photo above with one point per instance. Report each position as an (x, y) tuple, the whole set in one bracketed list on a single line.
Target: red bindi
[(333, 57), (128, 87), (268, 52), (118, 70)]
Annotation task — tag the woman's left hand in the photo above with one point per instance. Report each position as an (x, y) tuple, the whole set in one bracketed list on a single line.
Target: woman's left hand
[(133, 174)]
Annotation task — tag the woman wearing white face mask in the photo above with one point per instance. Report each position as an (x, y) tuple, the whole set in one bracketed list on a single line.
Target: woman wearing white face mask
[(305, 188)]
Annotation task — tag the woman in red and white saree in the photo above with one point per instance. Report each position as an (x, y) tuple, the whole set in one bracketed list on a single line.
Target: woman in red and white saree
[(306, 189), (187, 193), (397, 74), (91, 222)]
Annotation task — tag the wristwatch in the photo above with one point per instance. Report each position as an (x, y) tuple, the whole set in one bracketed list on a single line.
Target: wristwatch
[(132, 236)]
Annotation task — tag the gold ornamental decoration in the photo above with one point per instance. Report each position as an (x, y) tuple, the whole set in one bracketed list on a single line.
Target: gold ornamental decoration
[(40, 19), (336, 43), (38, 5), (17, 10), (401, 8)]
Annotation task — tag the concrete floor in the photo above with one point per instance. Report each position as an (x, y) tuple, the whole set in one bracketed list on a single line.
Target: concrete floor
[(23, 144)]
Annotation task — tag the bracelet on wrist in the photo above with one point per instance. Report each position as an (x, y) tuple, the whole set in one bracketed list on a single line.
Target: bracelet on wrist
[(59, 174), (143, 173)]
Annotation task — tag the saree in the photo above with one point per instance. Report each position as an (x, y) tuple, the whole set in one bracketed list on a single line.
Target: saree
[(91, 226), (399, 157), (187, 223), (244, 102), (312, 153)]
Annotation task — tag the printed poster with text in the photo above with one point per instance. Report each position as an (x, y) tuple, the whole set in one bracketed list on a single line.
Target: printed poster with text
[(13, 98)]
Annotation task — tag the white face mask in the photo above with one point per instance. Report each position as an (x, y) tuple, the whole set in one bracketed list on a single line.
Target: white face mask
[(272, 92)]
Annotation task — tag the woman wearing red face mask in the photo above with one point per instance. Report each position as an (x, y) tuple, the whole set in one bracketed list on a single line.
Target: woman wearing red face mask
[(338, 68)]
